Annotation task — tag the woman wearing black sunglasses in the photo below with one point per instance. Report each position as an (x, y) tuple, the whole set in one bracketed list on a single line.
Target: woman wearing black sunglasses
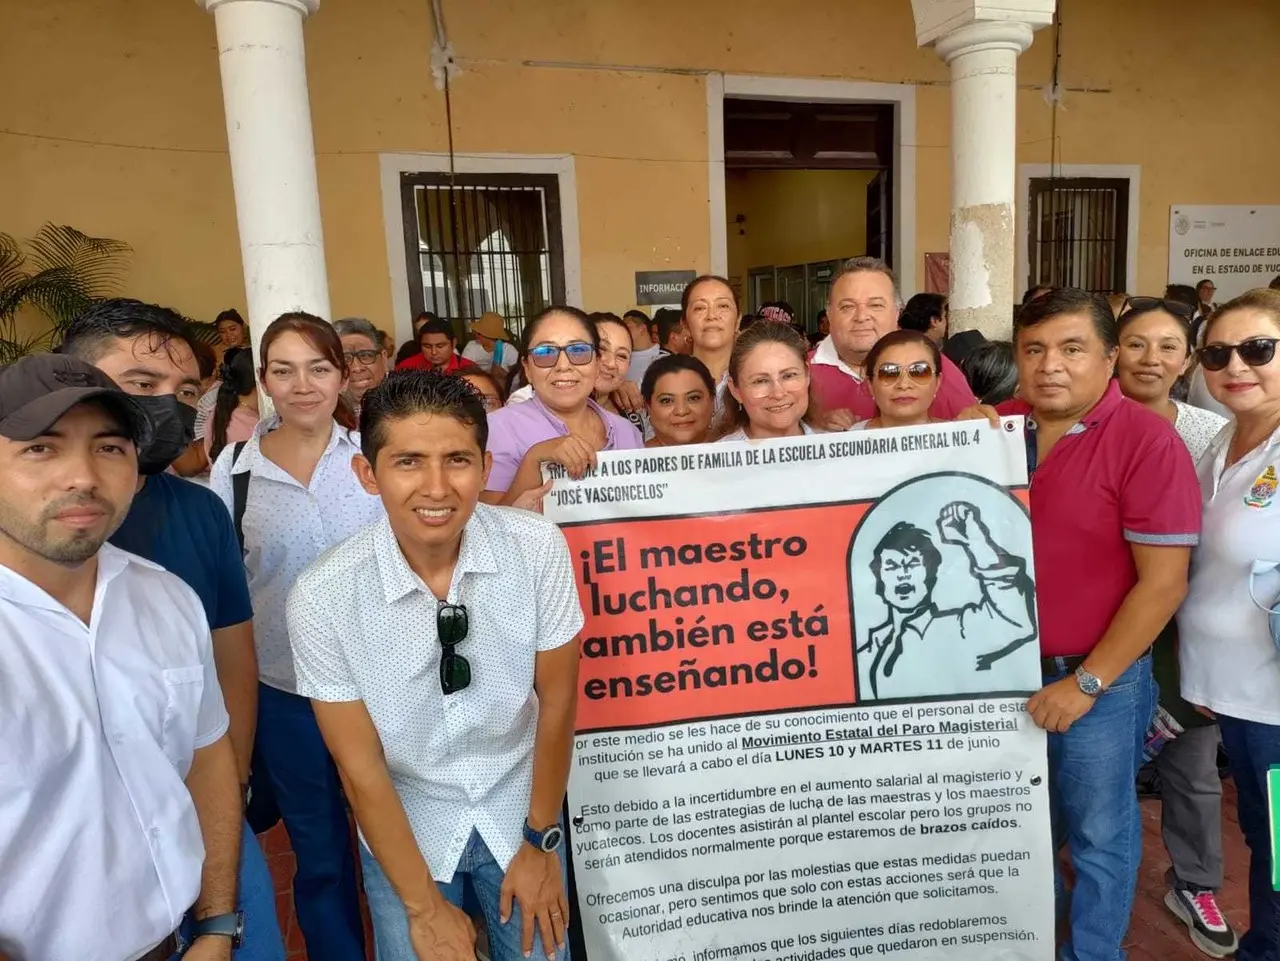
[(1228, 654), (903, 371), (561, 423)]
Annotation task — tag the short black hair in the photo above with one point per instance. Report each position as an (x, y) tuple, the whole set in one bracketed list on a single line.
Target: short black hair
[(991, 371), (437, 326), (1208, 282), (637, 315), (96, 330), (230, 314), (672, 364), (665, 322), (1070, 300), (920, 311), (905, 537), (1183, 294), (408, 392)]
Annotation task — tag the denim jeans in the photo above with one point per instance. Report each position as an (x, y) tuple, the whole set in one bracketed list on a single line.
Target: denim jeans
[(477, 872), (261, 940), (1251, 749), (291, 761), (1094, 812)]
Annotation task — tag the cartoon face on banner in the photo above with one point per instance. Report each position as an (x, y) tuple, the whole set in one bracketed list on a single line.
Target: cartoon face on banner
[(943, 593)]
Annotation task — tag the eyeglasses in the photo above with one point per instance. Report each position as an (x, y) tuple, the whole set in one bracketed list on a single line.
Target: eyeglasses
[(918, 373), (1143, 304), (580, 353), (363, 357), (451, 629), (1256, 352)]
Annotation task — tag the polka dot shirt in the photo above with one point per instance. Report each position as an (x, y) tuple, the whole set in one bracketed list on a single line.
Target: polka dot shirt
[(363, 628)]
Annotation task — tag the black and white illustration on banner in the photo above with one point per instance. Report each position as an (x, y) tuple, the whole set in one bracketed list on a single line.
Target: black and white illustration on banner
[(943, 601)]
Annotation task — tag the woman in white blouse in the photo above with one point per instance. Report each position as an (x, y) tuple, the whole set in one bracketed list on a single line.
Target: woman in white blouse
[(1229, 659), (299, 498), (768, 382)]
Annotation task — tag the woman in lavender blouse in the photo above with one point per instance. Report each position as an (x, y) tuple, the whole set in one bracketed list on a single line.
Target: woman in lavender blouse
[(561, 424)]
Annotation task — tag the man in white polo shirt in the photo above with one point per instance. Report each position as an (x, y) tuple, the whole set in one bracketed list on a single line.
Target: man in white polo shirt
[(119, 800), (437, 646)]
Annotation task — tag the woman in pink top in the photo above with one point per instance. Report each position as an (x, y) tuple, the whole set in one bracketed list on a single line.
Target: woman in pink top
[(235, 413), (561, 424)]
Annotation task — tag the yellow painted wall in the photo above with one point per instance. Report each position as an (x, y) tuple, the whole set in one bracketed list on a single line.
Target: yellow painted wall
[(113, 120), (794, 216)]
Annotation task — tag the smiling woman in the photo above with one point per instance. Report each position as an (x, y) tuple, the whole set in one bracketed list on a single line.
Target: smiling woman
[(562, 423), (768, 384)]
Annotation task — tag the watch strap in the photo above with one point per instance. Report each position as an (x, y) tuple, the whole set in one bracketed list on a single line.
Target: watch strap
[(546, 840), (220, 925)]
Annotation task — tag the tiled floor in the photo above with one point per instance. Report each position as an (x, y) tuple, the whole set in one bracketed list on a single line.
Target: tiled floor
[(1154, 935)]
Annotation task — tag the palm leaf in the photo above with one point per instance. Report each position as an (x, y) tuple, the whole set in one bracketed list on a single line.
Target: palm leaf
[(82, 269)]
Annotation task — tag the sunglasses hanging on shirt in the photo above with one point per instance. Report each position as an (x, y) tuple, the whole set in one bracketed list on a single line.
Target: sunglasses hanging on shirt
[(451, 629)]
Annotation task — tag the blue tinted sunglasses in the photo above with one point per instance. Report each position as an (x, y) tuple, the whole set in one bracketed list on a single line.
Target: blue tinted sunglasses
[(579, 353)]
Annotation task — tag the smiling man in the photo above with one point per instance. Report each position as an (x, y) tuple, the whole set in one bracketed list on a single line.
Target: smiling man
[(437, 649), (120, 804), (1115, 511), (365, 358), (865, 305)]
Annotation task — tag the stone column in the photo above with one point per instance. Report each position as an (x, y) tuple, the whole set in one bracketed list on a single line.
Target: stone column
[(273, 162), (981, 42)]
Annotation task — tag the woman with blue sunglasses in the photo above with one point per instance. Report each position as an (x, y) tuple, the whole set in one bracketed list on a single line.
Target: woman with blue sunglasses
[(562, 424)]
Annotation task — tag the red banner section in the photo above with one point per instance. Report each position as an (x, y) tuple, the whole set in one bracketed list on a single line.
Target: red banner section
[(752, 606)]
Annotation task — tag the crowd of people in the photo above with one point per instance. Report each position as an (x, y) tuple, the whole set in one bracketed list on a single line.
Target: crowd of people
[(294, 637)]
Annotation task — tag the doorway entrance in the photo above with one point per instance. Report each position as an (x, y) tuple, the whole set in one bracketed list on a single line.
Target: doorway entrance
[(807, 185)]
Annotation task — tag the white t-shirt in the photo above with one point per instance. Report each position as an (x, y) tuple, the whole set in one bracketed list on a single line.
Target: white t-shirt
[(475, 352), (1229, 662), (640, 361)]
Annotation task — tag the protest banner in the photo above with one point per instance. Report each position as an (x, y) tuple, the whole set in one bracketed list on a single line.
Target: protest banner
[(801, 728)]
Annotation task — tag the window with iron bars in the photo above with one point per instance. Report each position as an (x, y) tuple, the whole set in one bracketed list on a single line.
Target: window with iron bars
[(1078, 233), (482, 242)]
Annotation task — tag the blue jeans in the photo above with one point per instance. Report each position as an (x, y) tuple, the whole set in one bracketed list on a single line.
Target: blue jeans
[(1252, 748), (262, 940), (1094, 811), (391, 925), (291, 761)]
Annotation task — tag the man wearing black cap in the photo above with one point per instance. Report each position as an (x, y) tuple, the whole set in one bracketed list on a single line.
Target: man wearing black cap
[(121, 802)]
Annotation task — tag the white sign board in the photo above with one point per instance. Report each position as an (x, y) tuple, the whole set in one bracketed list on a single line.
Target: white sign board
[(768, 765), (1237, 247)]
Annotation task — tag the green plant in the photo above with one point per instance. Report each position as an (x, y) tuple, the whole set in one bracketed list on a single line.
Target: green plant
[(60, 273)]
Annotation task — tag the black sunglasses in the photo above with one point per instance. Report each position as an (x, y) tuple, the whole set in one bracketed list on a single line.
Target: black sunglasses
[(451, 629), (1256, 352), (1143, 304)]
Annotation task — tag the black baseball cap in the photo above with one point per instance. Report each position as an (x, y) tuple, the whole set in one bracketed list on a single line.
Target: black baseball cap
[(37, 390)]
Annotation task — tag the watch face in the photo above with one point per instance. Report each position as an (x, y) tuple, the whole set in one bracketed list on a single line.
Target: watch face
[(551, 839), (1088, 683)]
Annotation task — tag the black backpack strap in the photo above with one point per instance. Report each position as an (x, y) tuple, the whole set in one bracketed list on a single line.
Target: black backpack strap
[(239, 493)]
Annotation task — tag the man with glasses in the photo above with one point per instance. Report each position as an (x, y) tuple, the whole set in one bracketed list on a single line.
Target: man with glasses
[(437, 648), (864, 306), (366, 359), (1115, 511)]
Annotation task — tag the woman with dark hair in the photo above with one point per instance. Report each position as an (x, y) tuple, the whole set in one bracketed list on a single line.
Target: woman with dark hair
[(292, 495), (491, 392), (562, 423), (235, 413), (680, 397), (768, 384), (710, 311), (991, 371), (904, 372), (615, 364), (928, 314)]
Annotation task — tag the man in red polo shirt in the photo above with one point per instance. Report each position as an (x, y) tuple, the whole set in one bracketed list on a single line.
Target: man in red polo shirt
[(436, 343), (864, 306), (1115, 511)]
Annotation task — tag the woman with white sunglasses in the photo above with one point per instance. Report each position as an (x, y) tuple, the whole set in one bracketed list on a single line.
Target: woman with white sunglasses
[(562, 423)]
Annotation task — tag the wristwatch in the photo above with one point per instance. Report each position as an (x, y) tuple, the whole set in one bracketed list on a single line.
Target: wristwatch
[(1090, 684), (223, 926), (545, 841)]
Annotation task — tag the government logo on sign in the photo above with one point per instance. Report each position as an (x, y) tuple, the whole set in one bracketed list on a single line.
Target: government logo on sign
[(1181, 224)]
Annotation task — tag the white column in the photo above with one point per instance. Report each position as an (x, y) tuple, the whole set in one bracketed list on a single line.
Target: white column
[(273, 162), (981, 41)]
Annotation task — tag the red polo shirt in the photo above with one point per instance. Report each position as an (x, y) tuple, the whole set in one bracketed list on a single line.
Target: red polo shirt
[(1121, 476), (419, 362), (837, 387)]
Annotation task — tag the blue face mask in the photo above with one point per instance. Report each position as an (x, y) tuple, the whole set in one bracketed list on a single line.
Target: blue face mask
[(173, 426)]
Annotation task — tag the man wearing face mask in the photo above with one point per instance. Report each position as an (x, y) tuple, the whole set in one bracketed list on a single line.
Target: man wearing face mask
[(148, 351)]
